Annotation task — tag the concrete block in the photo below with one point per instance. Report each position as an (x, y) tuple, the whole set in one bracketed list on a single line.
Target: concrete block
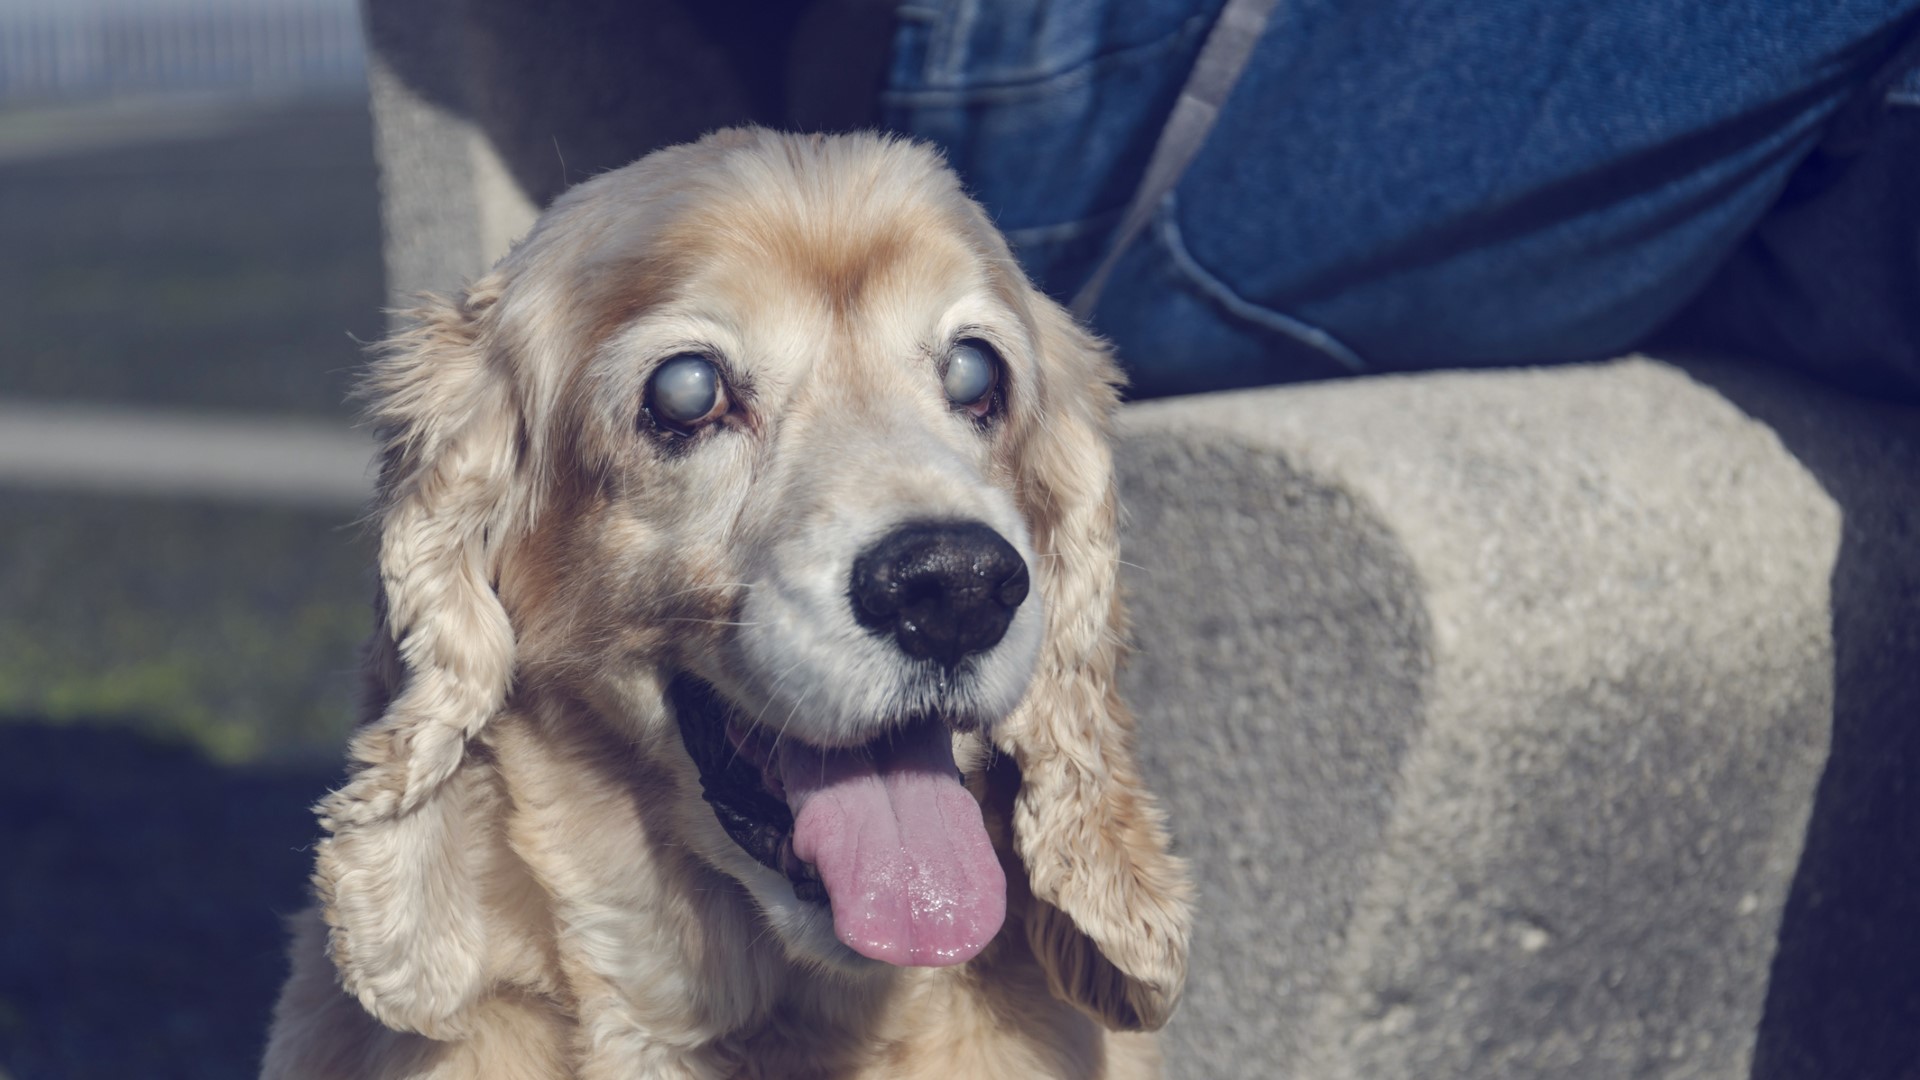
[(450, 208), (1492, 710)]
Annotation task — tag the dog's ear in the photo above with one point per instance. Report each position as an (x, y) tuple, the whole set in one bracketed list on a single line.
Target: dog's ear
[(396, 877), (1110, 917)]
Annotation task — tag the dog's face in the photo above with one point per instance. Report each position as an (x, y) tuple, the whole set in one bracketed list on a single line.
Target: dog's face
[(764, 448), (790, 504)]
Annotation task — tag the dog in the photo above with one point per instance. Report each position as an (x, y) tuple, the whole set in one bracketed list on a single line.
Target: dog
[(742, 700)]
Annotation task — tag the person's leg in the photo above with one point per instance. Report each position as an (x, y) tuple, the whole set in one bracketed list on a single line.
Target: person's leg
[(1829, 281), (1048, 108), (1394, 184)]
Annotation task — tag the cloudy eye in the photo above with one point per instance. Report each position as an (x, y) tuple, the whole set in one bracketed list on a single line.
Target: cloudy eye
[(685, 393), (973, 371)]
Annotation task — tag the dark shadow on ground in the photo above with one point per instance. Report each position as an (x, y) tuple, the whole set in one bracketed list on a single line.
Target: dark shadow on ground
[(141, 903), (1843, 999)]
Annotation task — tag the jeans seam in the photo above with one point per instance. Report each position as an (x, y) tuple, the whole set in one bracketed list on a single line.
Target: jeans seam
[(1260, 316), (1045, 83)]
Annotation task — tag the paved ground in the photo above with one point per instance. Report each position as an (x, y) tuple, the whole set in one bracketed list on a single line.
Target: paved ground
[(219, 259)]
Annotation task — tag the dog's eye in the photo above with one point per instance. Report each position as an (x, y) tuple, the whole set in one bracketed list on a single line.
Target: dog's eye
[(973, 373), (685, 393)]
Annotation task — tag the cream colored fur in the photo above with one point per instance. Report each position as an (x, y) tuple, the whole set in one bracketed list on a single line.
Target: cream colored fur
[(519, 877)]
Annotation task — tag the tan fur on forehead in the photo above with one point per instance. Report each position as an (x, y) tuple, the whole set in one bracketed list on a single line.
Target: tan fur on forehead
[(830, 215)]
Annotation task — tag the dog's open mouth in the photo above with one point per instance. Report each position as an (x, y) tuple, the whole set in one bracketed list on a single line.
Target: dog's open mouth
[(884, 832)]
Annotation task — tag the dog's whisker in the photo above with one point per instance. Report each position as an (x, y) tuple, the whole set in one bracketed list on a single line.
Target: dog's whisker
[(778, 735), (709, 586), (774, 689), (765, 929)]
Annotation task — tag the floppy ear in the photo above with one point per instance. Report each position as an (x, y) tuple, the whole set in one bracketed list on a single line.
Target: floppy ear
[(396, 876), (1111, 915)]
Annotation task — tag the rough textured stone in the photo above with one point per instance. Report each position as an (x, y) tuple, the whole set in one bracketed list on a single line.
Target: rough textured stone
[(1844, 996), (449, 207), (1491, 708)]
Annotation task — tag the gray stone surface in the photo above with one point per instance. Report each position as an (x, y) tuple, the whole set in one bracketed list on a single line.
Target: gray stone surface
[(1492, 709), (1844, 996), (449, 206)]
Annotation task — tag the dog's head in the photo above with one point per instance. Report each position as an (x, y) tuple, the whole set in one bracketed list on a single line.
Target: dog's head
[(764, 448)]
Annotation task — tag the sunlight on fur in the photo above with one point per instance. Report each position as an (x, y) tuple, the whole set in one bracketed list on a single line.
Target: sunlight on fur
[(742, 703)]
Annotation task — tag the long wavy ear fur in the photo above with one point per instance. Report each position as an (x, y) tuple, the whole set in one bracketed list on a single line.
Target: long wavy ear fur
[(395, 877), (1111, 913)]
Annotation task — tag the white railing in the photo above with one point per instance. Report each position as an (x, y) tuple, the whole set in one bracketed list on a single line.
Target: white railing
[(64, 49)]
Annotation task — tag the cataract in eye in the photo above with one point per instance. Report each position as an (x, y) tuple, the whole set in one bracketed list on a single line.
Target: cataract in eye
[(971, 373), (686, 391)]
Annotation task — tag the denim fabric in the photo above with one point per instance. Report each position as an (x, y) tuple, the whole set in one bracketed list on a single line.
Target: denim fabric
[(1401, 184), (1048, 109)]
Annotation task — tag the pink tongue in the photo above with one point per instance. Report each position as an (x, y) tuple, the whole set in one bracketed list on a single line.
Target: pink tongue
[(900, 846)]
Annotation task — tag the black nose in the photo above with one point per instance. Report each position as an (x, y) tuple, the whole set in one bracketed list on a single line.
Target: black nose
[(943, 590)]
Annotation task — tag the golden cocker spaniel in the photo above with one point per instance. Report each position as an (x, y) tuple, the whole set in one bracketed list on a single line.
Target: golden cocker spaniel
[(742, 703)]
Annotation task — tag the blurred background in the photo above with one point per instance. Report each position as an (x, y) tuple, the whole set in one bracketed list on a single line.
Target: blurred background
[(189, 258)]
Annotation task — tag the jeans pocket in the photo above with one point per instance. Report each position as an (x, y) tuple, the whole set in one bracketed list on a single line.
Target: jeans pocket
[(1179, 330)]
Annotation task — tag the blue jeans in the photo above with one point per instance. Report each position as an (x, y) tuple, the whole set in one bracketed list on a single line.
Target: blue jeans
[(1408, 184)]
